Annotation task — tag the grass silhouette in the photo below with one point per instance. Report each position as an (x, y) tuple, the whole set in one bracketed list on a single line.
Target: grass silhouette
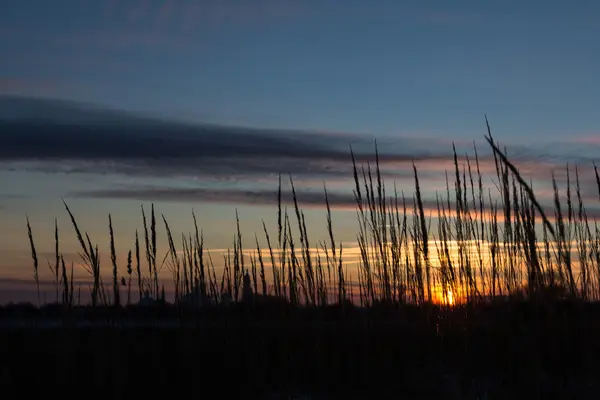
[(498, 299)]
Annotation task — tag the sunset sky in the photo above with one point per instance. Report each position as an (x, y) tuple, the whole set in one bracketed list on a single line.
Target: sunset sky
[(199, 105)]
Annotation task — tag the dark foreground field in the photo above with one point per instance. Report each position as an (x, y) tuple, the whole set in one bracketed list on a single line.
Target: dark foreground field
[(504, 351), (495, 245)]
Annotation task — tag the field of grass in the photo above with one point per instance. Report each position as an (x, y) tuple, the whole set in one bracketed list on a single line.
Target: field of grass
[(493, 296)]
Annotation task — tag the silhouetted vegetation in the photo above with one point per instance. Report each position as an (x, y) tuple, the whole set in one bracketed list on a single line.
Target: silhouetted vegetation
[(491, 297)]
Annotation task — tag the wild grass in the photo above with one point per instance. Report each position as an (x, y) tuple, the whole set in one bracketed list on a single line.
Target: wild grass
[(482, 245), (490, 293)]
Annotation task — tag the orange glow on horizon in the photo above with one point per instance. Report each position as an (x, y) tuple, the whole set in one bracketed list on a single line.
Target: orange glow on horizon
[(450, 298)]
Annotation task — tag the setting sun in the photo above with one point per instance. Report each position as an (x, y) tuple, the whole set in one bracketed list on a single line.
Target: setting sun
[(444, 297), (449, 298)]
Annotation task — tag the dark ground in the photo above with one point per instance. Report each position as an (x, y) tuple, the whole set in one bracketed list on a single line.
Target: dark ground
[(504, 351)]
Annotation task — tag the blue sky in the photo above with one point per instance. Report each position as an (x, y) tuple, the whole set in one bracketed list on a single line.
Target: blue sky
[(415, 75), (384, 67)]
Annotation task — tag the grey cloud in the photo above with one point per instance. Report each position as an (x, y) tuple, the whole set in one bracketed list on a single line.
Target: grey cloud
[(64, 136), (87, 138), (45, 284), (306, 198), (233, 196)]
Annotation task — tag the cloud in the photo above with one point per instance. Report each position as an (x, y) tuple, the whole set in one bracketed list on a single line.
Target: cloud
[(69, 137), (588, 139), (233, 196), (306, 199), (19, 282), (84, 137)]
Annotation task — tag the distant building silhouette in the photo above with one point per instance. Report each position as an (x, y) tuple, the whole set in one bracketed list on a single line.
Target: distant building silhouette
[(147, 300), (197, 299)]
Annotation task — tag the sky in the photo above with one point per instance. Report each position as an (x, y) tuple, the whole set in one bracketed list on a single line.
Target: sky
[(200, 104)]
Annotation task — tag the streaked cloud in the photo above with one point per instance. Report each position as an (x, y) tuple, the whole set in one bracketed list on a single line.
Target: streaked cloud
[(68, 137), (86, 137), (593, 139), (232, 196), (338, 200)]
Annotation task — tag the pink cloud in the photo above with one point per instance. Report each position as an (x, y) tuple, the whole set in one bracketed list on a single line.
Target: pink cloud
[(588, 139)]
